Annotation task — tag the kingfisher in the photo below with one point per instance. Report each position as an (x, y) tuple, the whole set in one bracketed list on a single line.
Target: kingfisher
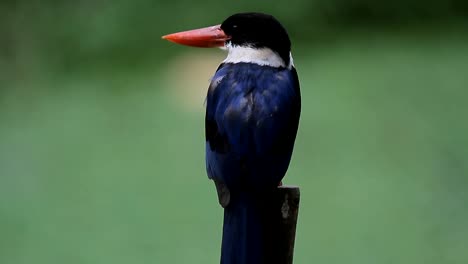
[(252, 116)]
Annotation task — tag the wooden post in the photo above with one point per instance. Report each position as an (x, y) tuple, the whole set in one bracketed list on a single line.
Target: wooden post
[(280, 224), (274, 232)]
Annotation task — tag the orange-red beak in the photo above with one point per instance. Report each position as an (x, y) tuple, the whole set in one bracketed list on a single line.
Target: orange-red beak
[(208, 37)]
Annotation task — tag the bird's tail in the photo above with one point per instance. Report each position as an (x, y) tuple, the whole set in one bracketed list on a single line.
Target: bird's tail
[(244, 230)]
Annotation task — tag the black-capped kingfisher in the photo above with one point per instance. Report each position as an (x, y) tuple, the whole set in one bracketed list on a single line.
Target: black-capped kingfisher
[(252, 116)]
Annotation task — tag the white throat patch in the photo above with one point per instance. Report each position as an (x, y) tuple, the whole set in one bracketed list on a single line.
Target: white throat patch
[(260, 56)]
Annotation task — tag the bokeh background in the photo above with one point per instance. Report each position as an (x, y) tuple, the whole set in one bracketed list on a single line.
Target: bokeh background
[(102, 134)]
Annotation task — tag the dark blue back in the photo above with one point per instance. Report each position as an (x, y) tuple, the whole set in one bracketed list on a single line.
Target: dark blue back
[(252, 116)]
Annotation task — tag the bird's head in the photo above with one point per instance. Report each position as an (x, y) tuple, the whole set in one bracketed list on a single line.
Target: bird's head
[(248, 37)]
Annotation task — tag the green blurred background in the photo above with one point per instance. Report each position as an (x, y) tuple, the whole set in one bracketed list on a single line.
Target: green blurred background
[(102, 134)]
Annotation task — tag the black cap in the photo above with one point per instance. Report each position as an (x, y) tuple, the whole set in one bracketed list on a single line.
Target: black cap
[(258, 30)]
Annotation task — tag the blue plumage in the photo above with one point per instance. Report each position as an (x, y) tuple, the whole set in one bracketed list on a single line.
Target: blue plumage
[(252, 117)]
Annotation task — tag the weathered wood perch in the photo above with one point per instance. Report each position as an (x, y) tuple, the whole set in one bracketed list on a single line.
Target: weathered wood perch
[(281, 225), (263, 230)]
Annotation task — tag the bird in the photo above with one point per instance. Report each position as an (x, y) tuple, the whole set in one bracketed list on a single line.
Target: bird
[(253, 108)]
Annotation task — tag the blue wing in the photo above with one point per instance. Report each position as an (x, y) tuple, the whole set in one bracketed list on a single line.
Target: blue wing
[(252, 116)]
